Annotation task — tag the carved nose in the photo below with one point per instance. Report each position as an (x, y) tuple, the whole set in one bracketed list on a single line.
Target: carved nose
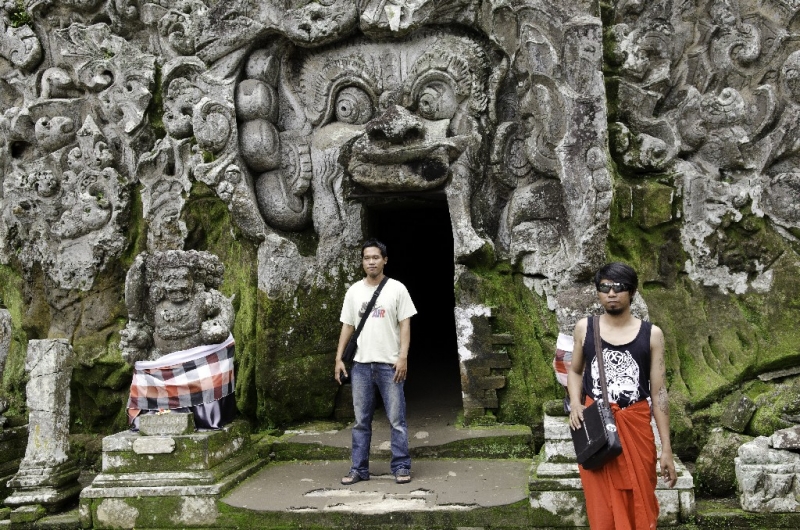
[(396, 125)]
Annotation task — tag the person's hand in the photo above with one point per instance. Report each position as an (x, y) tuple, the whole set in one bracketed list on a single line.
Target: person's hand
[(667, 465), (576, 416), (339, 370), (400, 369)]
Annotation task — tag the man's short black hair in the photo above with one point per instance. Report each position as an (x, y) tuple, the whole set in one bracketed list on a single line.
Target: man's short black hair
[(618, 272), (374, 243)]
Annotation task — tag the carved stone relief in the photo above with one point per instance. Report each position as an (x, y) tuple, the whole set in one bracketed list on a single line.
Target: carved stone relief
[(173, 304), (69, 158), (706, 96), (298, 114)]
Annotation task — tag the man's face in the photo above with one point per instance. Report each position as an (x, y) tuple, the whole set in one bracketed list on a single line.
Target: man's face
[(373, 262), (616, 300)]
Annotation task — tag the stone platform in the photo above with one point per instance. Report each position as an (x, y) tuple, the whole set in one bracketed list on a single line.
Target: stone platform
[(167, 481)]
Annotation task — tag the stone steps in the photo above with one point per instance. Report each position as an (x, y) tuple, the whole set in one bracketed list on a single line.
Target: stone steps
[(556, 487)]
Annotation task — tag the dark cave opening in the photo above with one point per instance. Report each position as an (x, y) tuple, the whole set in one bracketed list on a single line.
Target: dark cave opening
[(419, 242)]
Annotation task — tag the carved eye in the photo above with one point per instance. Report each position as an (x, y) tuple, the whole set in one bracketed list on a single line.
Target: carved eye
[(353, 106), (437, 102)]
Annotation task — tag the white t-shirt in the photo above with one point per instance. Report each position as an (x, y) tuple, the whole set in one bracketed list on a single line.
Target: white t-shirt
[(379, 341)]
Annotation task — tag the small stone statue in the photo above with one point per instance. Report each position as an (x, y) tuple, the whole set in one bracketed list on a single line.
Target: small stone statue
[(179, 337), (173, 304)]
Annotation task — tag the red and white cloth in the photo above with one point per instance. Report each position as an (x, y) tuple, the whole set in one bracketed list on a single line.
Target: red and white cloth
[(182, 379), (563, 359)]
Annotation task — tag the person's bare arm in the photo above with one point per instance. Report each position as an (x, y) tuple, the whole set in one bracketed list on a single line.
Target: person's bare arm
[(401, 366), (344, 337), (575, 376), (658, 393)]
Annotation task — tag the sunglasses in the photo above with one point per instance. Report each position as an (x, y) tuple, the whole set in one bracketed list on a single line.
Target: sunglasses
[(618, 287)]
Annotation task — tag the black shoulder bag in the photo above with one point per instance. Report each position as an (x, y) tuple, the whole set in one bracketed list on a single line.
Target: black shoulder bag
[(597, 440), (350, 350)]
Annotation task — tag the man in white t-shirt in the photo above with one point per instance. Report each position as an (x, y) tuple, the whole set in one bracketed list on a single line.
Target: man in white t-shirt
[(381, 361)]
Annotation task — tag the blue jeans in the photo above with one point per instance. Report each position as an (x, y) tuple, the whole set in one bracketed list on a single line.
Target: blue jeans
[(365, 377)]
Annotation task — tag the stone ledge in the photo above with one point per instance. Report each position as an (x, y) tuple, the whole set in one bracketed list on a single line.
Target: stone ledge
[(197, 451)]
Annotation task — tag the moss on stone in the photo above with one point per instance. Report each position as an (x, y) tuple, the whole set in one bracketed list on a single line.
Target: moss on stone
[(715, 471), (775, 407), (86, 450), (714, 342), (14, 379), (211, 228), (295, 367), (518, 311)]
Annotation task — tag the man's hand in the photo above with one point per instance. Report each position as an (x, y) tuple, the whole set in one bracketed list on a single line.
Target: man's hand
[(339, 370), (667, 464), (400, 369), (576, 416)]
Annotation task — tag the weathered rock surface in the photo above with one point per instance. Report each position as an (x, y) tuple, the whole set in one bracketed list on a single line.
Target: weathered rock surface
[(767, 477), (738, 413), (46, 476), (715, 469)]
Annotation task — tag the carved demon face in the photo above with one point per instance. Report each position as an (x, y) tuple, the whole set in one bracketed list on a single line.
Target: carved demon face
[(405, 110)]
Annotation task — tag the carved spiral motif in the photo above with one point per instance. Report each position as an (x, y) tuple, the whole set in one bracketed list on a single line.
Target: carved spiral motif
[(353, 105), (260, 145), (212, 126)]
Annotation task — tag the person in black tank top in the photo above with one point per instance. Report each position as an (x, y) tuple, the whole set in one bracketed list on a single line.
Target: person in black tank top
[(621, 494), (627, 368)]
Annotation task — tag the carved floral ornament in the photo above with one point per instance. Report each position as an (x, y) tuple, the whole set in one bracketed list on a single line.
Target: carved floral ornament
[(70, 157)]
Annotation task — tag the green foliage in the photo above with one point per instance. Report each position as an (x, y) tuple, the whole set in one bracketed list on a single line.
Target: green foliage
[(19, 15)]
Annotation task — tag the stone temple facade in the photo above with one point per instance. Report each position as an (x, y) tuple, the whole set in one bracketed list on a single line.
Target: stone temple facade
[(279, 134)]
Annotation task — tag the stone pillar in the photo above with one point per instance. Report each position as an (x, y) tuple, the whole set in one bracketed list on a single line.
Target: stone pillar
[(46, 477)]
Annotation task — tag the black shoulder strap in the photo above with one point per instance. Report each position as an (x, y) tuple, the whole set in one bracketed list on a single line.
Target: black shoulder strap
[(370, 305), (598, 353)]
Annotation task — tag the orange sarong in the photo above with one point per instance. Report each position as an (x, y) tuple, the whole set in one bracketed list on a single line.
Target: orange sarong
[(621, 495)]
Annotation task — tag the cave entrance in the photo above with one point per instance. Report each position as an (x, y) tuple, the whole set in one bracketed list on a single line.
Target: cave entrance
[(419, 240)]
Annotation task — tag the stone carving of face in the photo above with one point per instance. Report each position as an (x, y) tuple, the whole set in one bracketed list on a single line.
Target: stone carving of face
[(408, 109), (46, 184), (177, 284)]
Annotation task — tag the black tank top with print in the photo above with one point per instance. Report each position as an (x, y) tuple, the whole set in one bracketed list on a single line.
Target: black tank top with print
[(627, 367)]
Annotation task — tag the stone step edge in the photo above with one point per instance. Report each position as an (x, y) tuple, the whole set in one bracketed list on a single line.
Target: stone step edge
[(501, 446), (248, 462)]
